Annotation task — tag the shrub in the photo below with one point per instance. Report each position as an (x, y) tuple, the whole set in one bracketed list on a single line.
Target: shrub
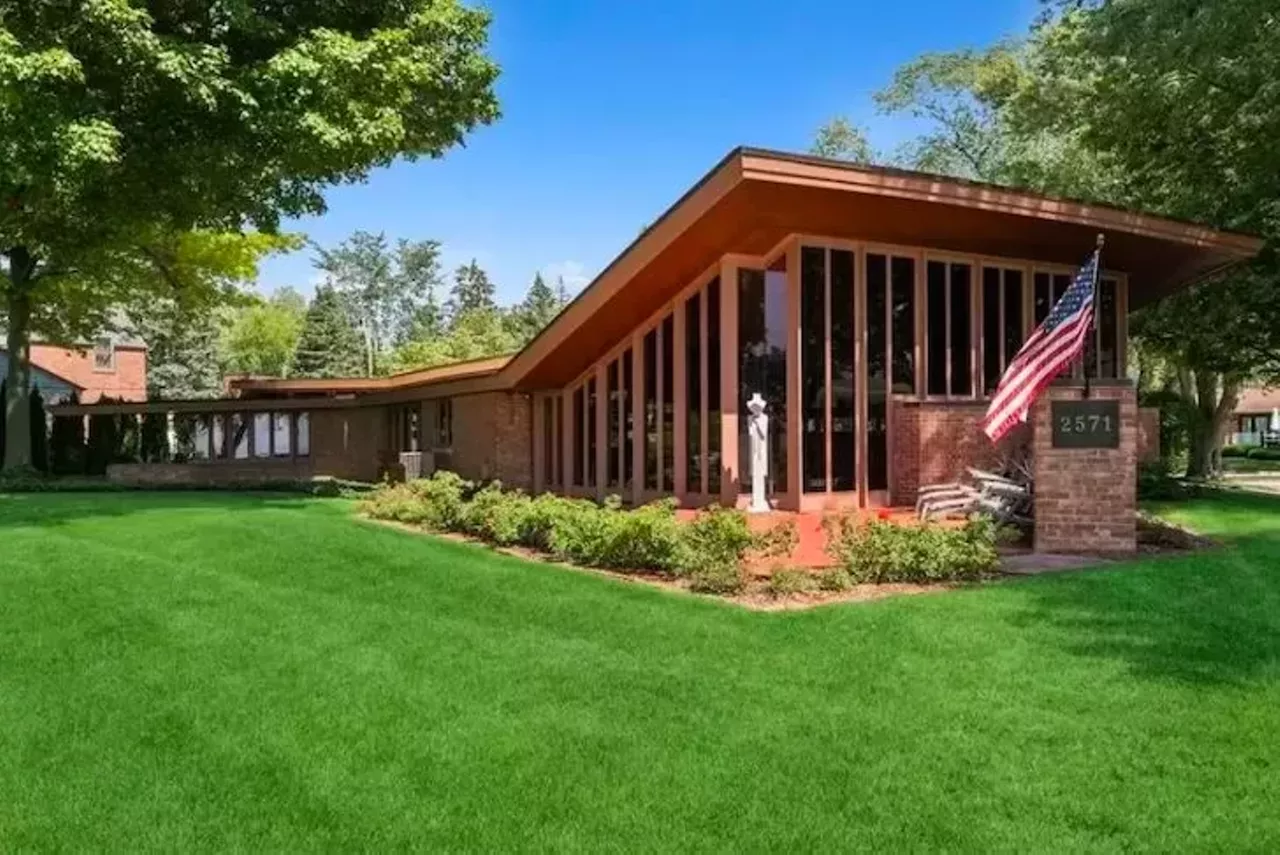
[(1156, 483), (442, 498), (787, 582), (877, 551), (835, 579), (717, 579), (1264, 454), (1238, 450)]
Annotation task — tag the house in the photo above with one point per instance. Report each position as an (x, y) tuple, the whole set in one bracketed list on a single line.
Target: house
[(1256, 418), (110, 367), (874, 309)]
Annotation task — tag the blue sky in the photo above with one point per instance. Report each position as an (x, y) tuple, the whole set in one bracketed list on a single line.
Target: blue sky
[(611, 110)]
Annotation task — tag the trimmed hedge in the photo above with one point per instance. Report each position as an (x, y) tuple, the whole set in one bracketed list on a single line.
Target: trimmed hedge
[(1264, 454), (710, 550), (876, 551)]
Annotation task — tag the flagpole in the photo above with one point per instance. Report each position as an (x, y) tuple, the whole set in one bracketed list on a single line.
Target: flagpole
[(1093, 310)]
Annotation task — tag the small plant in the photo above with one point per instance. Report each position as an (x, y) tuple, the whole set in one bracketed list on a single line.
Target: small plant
[(876, 551), (835, 579), (788, 582), (721, 579)]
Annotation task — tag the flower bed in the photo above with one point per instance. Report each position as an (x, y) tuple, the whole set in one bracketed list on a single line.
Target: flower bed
[(715, 551)]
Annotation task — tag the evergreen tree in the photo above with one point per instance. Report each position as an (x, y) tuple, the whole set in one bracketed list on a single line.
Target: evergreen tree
[(182, 351), (537, 309), (472, 291), (154, 442), (329, 346)]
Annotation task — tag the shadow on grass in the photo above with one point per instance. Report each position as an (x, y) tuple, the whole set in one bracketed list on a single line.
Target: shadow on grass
[(53, 508), (1210, 618)]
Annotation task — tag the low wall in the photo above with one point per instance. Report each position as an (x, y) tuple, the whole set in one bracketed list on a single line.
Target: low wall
[(934, 442), (221, 473)]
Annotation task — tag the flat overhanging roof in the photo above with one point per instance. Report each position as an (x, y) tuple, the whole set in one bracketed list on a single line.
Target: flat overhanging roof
[(754, 199)]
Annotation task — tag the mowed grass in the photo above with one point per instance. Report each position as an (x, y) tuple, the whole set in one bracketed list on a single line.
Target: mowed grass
[(196, 672)]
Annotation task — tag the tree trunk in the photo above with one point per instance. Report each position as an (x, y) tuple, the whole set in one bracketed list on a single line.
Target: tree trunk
[(17, 404), (1212, 417)]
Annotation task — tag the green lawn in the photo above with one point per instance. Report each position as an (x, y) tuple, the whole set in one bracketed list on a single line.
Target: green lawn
[(182, 672)]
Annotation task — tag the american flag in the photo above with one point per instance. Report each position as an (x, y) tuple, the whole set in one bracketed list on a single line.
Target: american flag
[(1047, 353)]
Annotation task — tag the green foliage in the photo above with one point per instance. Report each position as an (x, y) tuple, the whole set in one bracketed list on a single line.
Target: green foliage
[(261, 338), (153, 444), (391, 293), (835, 579), (472, 291), (842, 140), (67, 451), (709, 550), (1264, 454), (876, 551), (1241, 450), (788, 582), (1156, 483), (540, 306), (329, 345)]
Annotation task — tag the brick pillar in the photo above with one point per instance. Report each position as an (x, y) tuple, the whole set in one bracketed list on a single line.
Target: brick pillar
[(1085, 499)]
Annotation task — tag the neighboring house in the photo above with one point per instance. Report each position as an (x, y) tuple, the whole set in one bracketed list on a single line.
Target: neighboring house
[(109, 367), (874, 309), (1257, 418)]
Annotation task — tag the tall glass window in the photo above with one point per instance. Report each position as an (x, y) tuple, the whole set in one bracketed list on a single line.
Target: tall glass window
[(844, 321), (936, 327), (961, 343), (904, 325), (628, 429), (303, 423), (878, 288), (762, 366), (560, 468), (1108, 321), (576, 430), (261, 435), (592, 413), (1001, 323), (651, 410), (240, 436), (219, 438), (813, 367), (281, 431), (614, 399), (714, 462), (693, 392), (548, 441), (668, 404)]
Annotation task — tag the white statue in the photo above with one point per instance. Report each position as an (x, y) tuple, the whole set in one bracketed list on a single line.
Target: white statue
[(758, 430)]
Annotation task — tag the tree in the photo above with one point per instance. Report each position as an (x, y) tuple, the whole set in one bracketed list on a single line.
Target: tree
[(842, 140), (387, 290), (472, 291), (261, 338), (126, 126), (182, 352), (539, 308), (329, 345), (485, 332)]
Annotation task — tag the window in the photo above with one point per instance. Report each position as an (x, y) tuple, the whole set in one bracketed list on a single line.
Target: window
[(628, 427), (1107, 323), (303, 434), (843, 414), (650, 427), (714, 463), (949, 338), (282, 441), (591, 432), (878, 295), (444, 423), (1048, 290), (239, 436), (548, 441), (200, 438), (903, 333), (261, 434), (693, 392), (219, 438), (560, 464), (575, 430), (668, 404), (104, 354), (762, 366), (612, 425), (1001, 323), (813, 368)]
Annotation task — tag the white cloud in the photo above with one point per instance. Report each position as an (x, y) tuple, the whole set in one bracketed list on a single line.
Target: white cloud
[(574, 274)]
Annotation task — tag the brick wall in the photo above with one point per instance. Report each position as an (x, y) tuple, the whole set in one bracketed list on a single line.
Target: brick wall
[(240, 472), (1085, 498), (934, 442), (493, 438), (127, 381), (349, 443)]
